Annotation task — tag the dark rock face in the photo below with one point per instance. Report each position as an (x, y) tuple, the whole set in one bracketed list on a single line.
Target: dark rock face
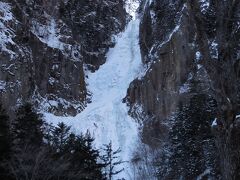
[(94, 22), (47, 45), (192, 76), (191, 51), (170, 62)]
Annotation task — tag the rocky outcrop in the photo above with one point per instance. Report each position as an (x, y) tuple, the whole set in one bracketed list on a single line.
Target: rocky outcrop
[(188, 98), (170, 57), (182, 91), (46, 47)]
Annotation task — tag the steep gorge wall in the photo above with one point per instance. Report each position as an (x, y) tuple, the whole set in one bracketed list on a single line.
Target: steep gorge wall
[(46, 47), (169, 52), (188, 82)]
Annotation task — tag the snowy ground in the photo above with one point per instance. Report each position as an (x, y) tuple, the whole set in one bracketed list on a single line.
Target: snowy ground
[(106, 117)]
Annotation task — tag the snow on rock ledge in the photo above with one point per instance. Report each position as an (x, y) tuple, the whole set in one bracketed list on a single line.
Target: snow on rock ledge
[(6, 33)]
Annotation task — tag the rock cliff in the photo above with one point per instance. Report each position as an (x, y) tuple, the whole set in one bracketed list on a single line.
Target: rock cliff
[(47, 46), (191, 55), (187, 99)]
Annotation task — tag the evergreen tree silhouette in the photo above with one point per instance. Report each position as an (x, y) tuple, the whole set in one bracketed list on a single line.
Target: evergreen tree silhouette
[(60, 136), (84, 158), (27, 127), (4, 134), (5, 143), (111, 161)]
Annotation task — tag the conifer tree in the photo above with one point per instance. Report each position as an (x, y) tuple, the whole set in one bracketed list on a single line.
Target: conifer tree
[(190, 136), (111, 161), (77, 151), (60, 136), (92, 156), (4, 134), (27, 127), (5, 145), (85, 158)]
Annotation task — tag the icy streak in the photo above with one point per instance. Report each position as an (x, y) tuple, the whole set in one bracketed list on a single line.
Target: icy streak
[(106, 117)]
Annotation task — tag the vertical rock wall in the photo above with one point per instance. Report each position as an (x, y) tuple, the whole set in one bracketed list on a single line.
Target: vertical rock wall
[(47, 46), (191, 78)]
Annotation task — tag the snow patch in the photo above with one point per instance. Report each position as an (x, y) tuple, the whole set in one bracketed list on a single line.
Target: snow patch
[(204, 5), (52, 80), (5, 9), (51, 103), (9, 86), (184, 88), (131, 7), (199, 66), (49, 34), (3, 86), (138, 113), (214, 123), (198, 56), (214, 49), (201, 176), (6, 33)]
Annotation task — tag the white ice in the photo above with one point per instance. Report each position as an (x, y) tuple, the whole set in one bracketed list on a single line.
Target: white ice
[(214, 123), (106, 117)]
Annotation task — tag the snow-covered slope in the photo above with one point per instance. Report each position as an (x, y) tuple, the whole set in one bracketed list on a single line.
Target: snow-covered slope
[(106, 117)]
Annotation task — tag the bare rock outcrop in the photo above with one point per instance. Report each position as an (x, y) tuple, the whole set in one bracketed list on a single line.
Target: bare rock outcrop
[(192, 77), (46, 47)]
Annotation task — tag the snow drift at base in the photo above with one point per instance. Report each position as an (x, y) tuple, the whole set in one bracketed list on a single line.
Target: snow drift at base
[(106, 117)]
